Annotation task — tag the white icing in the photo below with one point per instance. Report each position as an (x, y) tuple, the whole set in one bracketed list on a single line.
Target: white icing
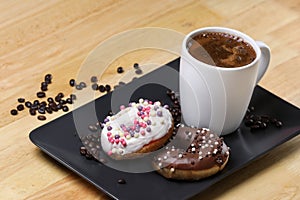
[(127, 117)]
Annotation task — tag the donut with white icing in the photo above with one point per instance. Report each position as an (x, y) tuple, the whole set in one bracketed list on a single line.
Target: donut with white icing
[(140, 128), (200, 154)]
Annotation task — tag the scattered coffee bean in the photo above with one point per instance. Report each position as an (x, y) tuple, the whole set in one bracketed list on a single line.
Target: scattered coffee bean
[(50, 100), (138, 71), (92, 128), (95, 86), (94, 79), (41, 117), (57, 98), (83, 150), (48, 78), (278, 124), (102, 88), (82, 84), (120, 70), (48, 110), (65, 108), (21, 100), (43, 104), (69, 101), (136, 66), (20, 107), (73, 96), (36, 102), (107, 88), (62, 102), (59, 106), (41, 110), (121, 181), (13, 112), (34, 106), (44, 88), (78, 87), (32, 111), (72, 82), (121, 83), (41, 94)]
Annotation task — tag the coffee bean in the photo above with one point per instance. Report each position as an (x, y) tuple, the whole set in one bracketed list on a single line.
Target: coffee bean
[(65, 108), (43, 104), (107, 88), (138, 71), (69, 101), (136, 66), (36, 102), (263, 125), (88, 155), (41, 117), (72, 82), (32, 111), (120, 70), (83, 150), (13, 112), (62, 101), (94, 79), (44, 88), (50, 99), (41, 94), (59, 106), (102, 88), (92, 128), (20, 107), (21, 100), (121, 181), (78, 87), (95, 86), (48, 78), (249, 122), (278, 124), (48, 110), (57, 98), (41, 110), (34, 106), (44, 84), (73, 96), (82, 84)]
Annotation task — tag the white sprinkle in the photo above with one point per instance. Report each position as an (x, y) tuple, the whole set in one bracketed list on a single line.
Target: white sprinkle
[(141, 100), (227, 152), (182, 125), (206, 145), (193, 149), (200, 157), (208, 153), (192, 145), (211, 135), (211, 146), (168, 152), (165, 157), (200, 152), (216, 143), (180, 155), (198, 131), (209, 141), (160, 164), (172, 169), (203, 137), (159, 159), (215, 151)]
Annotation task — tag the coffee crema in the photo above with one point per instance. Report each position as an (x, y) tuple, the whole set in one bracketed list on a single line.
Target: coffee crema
[(221, 49)]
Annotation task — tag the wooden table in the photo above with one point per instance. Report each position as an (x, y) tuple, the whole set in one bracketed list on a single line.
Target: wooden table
[(39, 37)]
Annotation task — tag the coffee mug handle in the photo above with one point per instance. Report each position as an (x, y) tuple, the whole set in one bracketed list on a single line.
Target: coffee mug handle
[(264, 60)]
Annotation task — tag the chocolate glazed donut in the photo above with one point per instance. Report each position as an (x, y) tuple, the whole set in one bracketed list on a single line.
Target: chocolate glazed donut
[(198, 153)]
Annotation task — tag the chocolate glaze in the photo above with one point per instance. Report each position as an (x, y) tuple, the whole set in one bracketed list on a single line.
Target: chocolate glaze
[(198, 149)]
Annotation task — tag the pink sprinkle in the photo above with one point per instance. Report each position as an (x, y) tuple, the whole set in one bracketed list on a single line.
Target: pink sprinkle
[(144, 125), (108, 134), (141, 124), (142, 133), (135, 121), (124, 128), (125, 134), (121, 140), (109, 153), (143, 116), (150, 102), (112, 141), (117, 141), (122, 107)]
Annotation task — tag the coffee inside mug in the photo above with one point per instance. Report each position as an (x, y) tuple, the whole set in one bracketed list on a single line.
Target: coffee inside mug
[(221, 49)]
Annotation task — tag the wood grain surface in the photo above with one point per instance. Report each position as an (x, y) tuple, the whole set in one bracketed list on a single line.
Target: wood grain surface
[(39, 37)]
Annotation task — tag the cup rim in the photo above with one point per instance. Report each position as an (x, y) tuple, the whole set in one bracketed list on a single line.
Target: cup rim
[(230, 31)]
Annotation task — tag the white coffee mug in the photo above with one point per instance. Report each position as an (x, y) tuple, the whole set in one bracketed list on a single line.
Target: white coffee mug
[(217, 97)]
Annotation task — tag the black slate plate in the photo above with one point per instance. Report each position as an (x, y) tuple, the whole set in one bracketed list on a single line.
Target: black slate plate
[(58, 139)]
